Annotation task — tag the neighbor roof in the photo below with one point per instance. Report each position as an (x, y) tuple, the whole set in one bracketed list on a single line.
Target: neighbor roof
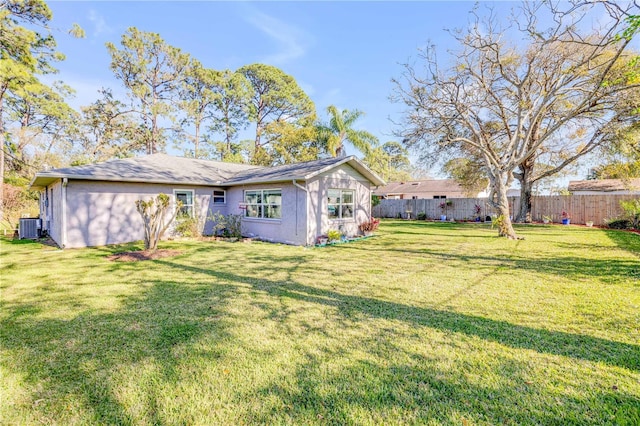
[(163, 168), (301, 171), (604, 185), (443, 186), (156, 168)]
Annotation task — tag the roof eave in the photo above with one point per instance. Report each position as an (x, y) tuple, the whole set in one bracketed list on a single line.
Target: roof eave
[(42, 181)]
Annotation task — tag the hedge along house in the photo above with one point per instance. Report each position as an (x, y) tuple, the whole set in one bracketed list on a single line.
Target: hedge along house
[(94, 205)]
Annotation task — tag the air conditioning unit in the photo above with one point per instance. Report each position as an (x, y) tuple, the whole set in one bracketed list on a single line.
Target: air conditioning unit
[(30, 228)]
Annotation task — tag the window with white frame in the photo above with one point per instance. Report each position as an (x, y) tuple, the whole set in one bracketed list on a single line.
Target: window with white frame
[(263, 203), (341, 203), (185, 196), (219, 196)]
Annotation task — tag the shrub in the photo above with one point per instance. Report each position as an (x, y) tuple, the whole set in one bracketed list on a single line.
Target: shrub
[(334, 235), (153, 212), (422, 216), (632, 211), (370, 225), (229, 226), (186, 226), (619, 224)]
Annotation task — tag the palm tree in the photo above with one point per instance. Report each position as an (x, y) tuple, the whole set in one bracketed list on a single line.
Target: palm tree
[(340, 129)]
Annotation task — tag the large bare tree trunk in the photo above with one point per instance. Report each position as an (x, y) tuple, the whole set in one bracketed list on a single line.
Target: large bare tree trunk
[(498, 199), (525, 177)]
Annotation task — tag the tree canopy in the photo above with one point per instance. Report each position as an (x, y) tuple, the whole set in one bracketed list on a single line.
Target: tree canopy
[(509, 102)]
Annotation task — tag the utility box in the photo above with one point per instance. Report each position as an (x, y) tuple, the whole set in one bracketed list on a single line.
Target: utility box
[(30, 228)]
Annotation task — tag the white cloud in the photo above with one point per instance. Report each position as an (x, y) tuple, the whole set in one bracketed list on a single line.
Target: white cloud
[(100, 26), (292, 41)]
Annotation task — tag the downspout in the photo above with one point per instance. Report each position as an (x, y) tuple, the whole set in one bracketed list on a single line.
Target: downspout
[(63, 234), (297, 185)]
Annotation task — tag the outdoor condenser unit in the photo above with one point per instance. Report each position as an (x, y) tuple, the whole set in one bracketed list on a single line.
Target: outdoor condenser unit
[(30, 228)]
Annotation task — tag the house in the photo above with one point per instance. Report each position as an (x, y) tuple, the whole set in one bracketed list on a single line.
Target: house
[(425, 188), (94, 205), (604, 186)]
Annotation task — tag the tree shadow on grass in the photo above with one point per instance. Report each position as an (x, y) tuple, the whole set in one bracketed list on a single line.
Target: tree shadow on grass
[(628, 241), (573, 267), (73, 360), (418, 391), (516, 336)]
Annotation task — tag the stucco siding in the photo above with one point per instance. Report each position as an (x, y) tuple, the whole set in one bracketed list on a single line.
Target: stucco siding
[(344, 177), (100, 213), (289, 229), (52, 209)]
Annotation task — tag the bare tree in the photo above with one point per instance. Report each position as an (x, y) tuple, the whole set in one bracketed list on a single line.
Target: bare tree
[(510, 102)]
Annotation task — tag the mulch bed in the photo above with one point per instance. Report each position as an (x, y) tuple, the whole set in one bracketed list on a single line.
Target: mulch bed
[(137, 256)]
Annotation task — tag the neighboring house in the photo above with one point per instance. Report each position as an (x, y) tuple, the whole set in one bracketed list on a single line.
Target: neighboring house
[(604, 186), (94, 205), (426, 188)]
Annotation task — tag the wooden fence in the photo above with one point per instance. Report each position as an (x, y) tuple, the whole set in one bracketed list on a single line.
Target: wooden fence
[(581, 208)]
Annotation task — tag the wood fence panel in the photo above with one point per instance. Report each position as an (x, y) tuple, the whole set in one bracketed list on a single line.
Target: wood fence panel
[(581, 208)]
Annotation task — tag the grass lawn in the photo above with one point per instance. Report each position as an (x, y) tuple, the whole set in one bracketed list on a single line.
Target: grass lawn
[(426, 323)]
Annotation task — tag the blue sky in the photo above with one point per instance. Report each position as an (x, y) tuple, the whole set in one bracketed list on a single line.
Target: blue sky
[(341, 53)]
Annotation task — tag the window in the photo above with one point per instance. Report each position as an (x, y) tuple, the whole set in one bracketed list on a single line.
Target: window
[(341, 203), (186, 197), (219, 196), (437, 197), (264, 203)]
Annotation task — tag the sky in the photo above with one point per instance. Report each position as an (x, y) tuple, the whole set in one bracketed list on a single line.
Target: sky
[(340, 53)]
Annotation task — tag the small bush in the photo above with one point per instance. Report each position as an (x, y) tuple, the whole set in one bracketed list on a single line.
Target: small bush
[(422, 216), (186, 226), (334, 235), (619, 224), (632, 211), (229, 226), (370, 225)]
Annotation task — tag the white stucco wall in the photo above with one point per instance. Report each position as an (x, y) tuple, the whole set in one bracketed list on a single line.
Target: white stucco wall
[(343, 177), (51, 211), (290, 228), (100, 213)]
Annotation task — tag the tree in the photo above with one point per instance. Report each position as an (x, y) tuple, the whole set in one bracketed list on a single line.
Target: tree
[(38, 122), (468, 172), (340, 129), (25, 54), (293, 142), (232, 109), (107, 129), (390, 161), (152, 71), (275, 96), (153, 212), (508, 102), (198, 93), (621, 158)]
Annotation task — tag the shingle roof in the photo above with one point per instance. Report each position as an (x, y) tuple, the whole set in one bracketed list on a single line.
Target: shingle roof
[(156, 168), (443, 186), (604, 185), (301, 171), (163, 168)]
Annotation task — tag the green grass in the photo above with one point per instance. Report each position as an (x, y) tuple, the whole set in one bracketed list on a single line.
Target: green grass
[(426, 323)]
